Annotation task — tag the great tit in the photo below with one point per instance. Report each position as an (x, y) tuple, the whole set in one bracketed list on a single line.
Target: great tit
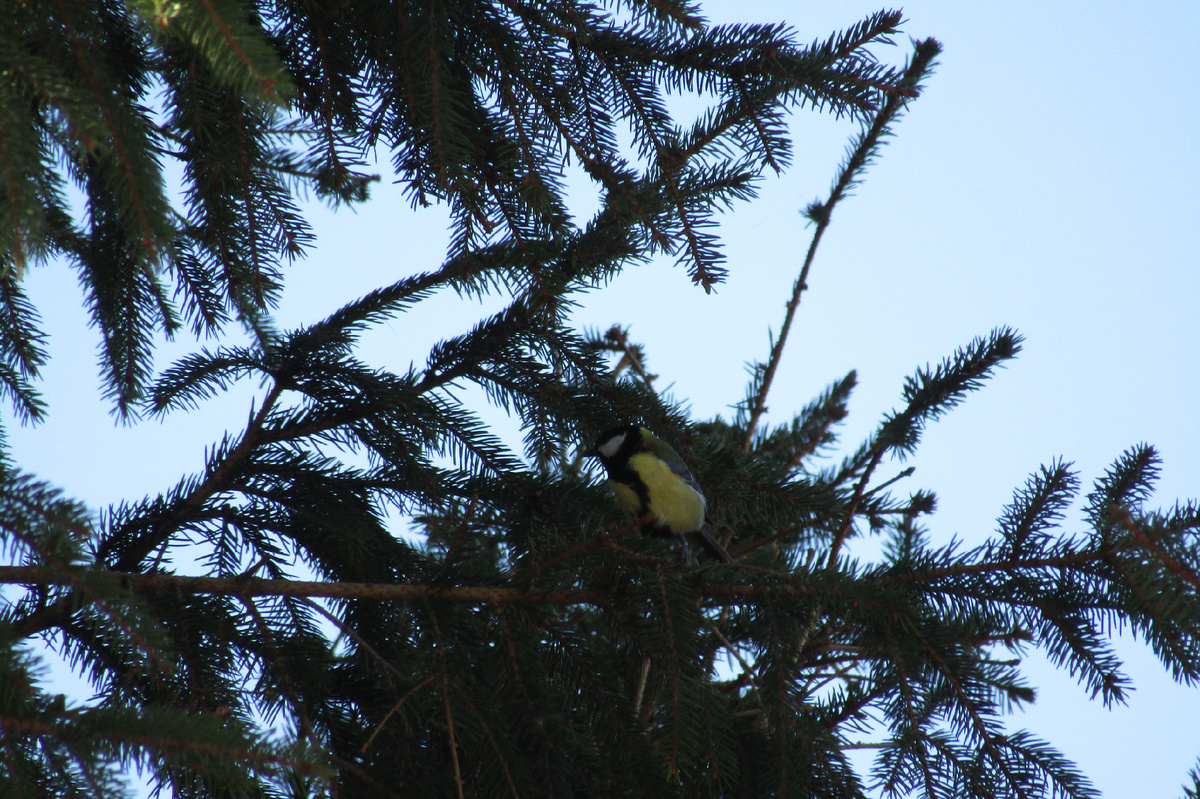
[(653, 485)]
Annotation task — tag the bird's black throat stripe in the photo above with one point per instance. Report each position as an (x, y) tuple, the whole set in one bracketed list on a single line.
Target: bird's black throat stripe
[(626, 476)]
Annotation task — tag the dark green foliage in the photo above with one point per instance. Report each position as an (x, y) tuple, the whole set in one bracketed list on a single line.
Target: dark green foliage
[(1193, 791), (396, 601), (931, 393), (475, 101)]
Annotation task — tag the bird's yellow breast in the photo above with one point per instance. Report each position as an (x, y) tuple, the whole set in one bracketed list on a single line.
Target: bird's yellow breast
[(670, 500)]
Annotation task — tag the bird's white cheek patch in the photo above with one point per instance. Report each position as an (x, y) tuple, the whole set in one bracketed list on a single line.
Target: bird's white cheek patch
[(610, 448)]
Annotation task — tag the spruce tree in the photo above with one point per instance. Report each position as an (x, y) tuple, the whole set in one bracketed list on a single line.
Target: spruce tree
[(531, 643)]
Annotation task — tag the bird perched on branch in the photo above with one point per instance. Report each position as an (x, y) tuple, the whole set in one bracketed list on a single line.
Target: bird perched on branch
[(653, 485)]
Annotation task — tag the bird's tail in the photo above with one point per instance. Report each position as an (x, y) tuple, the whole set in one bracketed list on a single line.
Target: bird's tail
[(711, 545)]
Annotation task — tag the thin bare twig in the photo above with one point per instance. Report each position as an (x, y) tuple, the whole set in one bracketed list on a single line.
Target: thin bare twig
[(487, 731), (847, 525), (641, 688), (348, 631), (747, 669), (629, 356), (366, 747), (760, 399), (458, 781), (821, 213)]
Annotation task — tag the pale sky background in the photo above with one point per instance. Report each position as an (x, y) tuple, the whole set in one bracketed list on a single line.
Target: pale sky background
[(1048, 179)]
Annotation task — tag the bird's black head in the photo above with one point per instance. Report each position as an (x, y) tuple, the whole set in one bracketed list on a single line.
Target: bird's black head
[(616, 445)]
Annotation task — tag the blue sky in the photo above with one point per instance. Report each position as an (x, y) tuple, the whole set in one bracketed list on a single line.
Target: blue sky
[(1049, 179)]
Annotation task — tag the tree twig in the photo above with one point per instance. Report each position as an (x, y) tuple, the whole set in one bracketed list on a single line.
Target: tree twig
[(257, 586), (458, 781), (366, 747), (820, 213)]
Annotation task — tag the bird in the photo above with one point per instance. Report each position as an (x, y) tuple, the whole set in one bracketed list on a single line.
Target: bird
[(653, 485)]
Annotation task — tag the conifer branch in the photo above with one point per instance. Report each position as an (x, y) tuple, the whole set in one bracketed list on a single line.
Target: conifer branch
[(352, 634), (847, 522), (1137, 535), (567, 555), (258, 586), (481, 718), (102, 101), (214, 482), (748, 671), (259, 759), (350, 767), (908, 698), (519, 632), (366, 747), (87, 594), (248, 586), (640, 692), (672, 668), (235, 47), (289, 688), (13, 191), (1011, 565), (986, 734), (860, 157), (597, 168), (631, 356), (137, 550)]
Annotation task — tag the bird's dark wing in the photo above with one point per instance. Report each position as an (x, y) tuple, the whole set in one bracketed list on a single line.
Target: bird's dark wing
[(677, 466)]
